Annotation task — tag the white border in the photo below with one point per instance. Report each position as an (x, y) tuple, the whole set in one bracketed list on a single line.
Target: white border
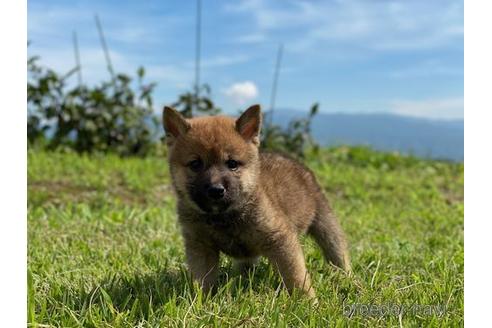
[(478, 164), (13, 171)]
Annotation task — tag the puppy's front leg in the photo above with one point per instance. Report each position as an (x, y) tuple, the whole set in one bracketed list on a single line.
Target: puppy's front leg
[(287, 256), (203, 263)]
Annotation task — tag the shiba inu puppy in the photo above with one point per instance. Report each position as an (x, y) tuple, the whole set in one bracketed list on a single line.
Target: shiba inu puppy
[(234, 199)]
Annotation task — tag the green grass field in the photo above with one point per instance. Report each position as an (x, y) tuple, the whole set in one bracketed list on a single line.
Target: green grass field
[(105, 248)]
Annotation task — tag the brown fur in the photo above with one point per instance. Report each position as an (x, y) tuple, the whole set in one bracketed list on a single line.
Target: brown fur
[(270, 200)]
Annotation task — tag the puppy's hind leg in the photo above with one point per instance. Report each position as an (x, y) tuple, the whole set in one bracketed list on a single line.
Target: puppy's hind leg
[(328, 233)]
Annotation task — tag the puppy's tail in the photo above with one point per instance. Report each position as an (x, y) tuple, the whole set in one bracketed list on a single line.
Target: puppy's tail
[(328, 233)]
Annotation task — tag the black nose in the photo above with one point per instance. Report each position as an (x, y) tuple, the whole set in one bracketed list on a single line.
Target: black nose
[(216, 191)]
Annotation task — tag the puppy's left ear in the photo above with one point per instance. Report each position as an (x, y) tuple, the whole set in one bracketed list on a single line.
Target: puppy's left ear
[(249, 124)]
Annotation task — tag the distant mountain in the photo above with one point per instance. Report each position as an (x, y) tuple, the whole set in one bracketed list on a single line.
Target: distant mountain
[(440, 139)]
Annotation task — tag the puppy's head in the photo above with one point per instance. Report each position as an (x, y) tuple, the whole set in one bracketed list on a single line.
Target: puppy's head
[(213, 160)]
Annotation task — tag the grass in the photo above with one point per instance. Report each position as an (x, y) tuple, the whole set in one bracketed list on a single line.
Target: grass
[(105, 249)]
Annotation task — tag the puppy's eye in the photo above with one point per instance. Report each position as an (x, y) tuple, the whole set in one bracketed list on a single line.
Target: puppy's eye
[(196, 165), (232, 164)]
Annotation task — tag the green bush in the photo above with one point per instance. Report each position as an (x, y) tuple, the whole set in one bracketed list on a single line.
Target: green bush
[(109, 117)]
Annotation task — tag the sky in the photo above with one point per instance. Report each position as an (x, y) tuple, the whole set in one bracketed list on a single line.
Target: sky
[(352, 56)]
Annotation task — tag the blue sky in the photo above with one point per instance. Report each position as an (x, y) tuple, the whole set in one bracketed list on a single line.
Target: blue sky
[(351, 56)]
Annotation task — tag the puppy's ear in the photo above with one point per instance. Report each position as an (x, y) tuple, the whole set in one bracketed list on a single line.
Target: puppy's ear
[(249, 124), (174, 123)]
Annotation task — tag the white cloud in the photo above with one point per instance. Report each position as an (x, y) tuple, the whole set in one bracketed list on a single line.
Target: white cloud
[(241, 92), (446, 108), (374, 25)]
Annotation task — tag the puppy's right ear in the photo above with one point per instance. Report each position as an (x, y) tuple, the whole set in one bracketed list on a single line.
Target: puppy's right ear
[(174, 123)]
